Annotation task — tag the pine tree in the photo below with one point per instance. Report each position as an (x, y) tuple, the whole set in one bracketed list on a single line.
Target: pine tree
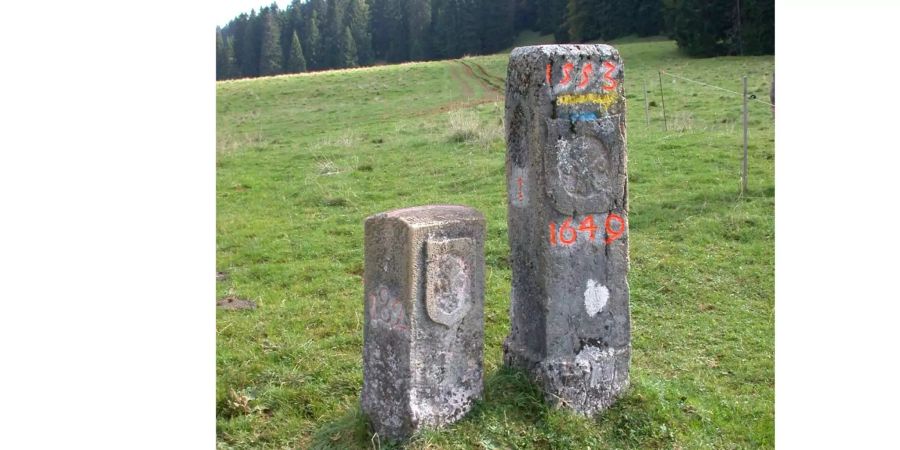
[(358, 21), (581, 20), (347, 55), (527, 14), (648, 17), (231, 70), (398, 31), (232, 30), (249, 57), (313, 41), (757, 26), (332, 32), (611, 19), (701, 27), (418, 21), (443, 29), (296, 61), (552, 19), (270, 55), (379, 25), (316, 13), (496, 29), (295, 17), (235, 31), (221, 58), (290, 23), (467, 33)]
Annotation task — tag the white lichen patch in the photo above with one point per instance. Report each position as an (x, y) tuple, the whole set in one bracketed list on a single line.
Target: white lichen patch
[(595, 297), (600, 365)]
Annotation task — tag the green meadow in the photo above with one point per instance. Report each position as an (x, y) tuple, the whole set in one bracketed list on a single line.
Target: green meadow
[(302, 160)]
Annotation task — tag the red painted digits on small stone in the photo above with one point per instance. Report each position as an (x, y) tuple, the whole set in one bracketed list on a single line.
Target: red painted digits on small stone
[(548, 74)]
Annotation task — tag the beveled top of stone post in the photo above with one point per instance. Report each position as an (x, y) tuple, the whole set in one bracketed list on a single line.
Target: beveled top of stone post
[(430, 215), (566, 50)]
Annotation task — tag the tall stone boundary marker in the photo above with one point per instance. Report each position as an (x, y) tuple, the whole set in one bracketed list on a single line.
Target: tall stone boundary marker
[(424, 317), (567, 194)]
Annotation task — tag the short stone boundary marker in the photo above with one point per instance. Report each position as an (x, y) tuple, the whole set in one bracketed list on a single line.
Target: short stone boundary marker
[(424, 317)]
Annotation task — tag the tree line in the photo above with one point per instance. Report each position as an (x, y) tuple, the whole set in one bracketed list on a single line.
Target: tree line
[(328, 34)]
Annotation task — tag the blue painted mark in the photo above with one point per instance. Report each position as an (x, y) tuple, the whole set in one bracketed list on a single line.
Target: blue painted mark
[(584, 116)]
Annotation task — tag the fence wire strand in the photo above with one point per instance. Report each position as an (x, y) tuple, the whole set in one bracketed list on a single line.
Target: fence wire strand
[(714, 87)]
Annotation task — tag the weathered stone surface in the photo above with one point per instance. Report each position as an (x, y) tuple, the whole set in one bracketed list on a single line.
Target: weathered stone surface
[(567, 193), (424, 317)]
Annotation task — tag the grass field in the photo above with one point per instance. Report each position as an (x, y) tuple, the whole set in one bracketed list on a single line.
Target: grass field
[(303, 160)]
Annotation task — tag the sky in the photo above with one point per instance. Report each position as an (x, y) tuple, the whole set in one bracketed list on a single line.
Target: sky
[(225, 10)]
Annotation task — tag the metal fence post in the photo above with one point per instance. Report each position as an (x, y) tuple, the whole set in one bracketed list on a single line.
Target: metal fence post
[(646, 105), (665, 121), (744, 176)]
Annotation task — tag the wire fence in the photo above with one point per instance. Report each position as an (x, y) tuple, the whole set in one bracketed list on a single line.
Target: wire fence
[(682, 111), (752, 97)]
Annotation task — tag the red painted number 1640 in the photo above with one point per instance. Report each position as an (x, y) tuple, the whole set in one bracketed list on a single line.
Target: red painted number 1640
[(566, 234)]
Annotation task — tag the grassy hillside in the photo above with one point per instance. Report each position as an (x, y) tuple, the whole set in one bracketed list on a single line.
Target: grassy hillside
[(303, 160)]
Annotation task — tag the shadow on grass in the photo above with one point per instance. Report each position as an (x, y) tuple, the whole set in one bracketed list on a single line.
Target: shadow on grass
[(350, 431), (507, 393), (513, 415)]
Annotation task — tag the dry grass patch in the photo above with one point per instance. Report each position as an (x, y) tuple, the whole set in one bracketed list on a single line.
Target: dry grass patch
[(465, 127)]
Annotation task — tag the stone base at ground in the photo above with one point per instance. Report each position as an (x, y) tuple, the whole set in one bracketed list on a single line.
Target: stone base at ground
[(587, 384)]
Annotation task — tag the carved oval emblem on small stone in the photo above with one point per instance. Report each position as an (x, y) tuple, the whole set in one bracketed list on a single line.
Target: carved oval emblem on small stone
[(448, 292)]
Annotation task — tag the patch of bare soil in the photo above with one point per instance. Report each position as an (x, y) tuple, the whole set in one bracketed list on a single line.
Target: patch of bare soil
[(233, 303)]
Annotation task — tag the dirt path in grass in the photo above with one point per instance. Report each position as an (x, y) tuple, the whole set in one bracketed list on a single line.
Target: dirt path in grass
[(489, 82), (464, 74), (497, 81), (464, 87)]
